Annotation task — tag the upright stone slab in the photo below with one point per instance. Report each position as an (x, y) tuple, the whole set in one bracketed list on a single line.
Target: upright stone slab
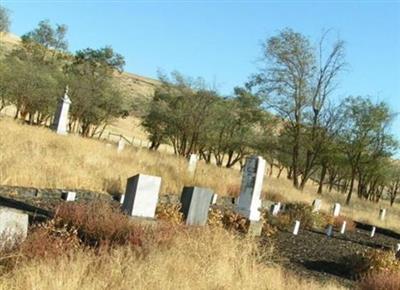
[(329, 230), (120, 145), (373, 230), (141, 195), (250, 192), (296, 228), (317, 203), (214, 198), (382, 214), (192, 163), (195, 205), (13, 226), (343, 228), (336, 209), (60, 123), (275, 208)]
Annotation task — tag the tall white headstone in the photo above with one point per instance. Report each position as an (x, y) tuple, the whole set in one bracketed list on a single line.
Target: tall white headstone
[(141, 195), (336, 209), (250, 192), (192, 163), (60, 124)]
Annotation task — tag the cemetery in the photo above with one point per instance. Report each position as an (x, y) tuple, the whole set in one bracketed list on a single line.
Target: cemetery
[(308, 242)]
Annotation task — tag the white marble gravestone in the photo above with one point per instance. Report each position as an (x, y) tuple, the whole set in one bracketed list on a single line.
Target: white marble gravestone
[(192, 163), (141, 195), (60, 123), (373, 230), (382, 214), (249, 201), (317, 203), (343, 227), (13, 226), (121, 198), (68, 195), (336, 209), (296, 228), (120, 145)]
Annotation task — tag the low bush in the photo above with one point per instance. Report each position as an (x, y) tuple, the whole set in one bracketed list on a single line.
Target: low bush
[(384, 280), (293, 211), (170, 213), (371, 261), (274, 196)]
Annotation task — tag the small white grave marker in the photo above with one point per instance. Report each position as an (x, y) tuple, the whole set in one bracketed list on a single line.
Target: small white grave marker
[(68, 195), (192, 163), (373, 232), (121, 145), (141, 195), (317, 205), (214, 198), (382, 214), (250, 192), (343, 227), (398, 248), (275, 208), (122, 198), (60, 123), (296, 228), (336, 209)]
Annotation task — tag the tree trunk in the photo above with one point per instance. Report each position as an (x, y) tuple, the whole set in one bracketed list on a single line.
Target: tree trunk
[(321, 179)]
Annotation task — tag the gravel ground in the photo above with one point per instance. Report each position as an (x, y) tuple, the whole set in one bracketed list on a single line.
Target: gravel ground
[(313, 254)]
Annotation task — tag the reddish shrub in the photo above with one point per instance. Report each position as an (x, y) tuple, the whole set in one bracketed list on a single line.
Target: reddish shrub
[(387, 280), (350, 224), (100, 224)]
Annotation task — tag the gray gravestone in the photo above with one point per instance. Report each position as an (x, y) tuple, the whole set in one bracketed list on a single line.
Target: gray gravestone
[(13, 226), (250, 192), (141, 195), (195, 205), (60, 124)]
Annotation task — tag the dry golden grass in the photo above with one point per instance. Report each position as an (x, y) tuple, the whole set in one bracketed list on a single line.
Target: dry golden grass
[(32, 156), (195, 260)]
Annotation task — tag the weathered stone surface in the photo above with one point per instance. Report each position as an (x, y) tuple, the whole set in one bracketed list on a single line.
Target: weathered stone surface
[(13, 226), (317, 203), (141, 195), (255, 228), (336, 209), (249, 203), (195, 205)]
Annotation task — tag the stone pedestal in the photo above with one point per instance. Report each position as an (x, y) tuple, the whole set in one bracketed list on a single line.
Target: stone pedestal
[(250, 192), (60, 123), (195, 205), (255, 228), (141, 195), (13, 226)]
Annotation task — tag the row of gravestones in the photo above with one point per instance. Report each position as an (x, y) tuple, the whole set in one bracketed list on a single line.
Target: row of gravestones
[(142, 194)]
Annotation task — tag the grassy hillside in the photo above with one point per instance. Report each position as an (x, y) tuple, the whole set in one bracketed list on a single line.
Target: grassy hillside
[(33, 156)]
